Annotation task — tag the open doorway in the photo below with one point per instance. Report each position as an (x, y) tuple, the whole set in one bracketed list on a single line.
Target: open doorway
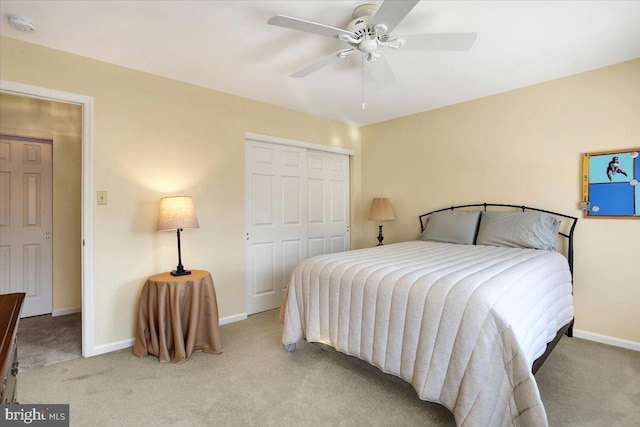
[(52, 330), (86, 102)]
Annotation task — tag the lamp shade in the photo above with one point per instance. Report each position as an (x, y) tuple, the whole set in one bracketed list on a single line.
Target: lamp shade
[(176, 213), (381, 210)]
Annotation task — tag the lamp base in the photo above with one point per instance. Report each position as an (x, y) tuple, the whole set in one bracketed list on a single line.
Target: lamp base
[(180, 272), (380, 237)]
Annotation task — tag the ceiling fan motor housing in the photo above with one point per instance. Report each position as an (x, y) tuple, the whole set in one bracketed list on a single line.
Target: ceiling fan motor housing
[(360, 27), (368, 38)]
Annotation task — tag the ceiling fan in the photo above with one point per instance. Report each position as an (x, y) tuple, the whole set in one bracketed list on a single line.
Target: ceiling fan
[(369, 31)]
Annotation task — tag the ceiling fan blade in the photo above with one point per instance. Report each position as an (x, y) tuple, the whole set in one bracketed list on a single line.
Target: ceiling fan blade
[(381, 71), (315, 66), (308, 26), (391, 12), (448, 41)]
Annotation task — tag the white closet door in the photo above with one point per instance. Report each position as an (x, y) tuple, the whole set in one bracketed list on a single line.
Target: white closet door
[(276, 218), (328, 186), (297, 206), (26, 262)]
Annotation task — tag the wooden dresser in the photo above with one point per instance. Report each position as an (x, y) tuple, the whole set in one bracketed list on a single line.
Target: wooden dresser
[(10, 306)]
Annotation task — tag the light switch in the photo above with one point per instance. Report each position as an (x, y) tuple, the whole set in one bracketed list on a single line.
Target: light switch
[(102, 197)]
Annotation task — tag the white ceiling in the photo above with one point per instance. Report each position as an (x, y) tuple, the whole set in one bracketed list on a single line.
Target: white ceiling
[(228, 46)]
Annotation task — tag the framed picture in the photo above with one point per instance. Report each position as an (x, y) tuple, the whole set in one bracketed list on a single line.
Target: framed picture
[(610, 184)]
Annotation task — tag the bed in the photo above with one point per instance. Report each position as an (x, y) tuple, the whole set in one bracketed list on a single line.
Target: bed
[(466, 314)]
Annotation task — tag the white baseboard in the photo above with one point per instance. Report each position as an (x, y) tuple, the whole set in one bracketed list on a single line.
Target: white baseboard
[(231, 319), (578, 333), (114, 346), (108, 348), (65, 311), (605, 339)]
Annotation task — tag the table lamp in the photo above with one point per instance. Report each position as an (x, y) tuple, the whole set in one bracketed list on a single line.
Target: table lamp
[(381, 210), (177, 213)]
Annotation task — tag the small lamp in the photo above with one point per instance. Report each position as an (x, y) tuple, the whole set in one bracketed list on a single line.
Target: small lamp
[(177, 213), (381, 210)]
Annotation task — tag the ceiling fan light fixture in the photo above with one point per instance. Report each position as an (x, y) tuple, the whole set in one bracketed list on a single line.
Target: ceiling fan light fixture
[(393, 43), (368, 45), (347, 38), (344, 53), (379, 29)]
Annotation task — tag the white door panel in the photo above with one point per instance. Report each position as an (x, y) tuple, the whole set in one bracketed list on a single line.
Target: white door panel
[(316, 246), (338, 244), (264, 281), (26, 223)]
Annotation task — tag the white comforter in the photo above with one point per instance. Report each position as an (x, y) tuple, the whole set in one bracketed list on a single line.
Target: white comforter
[(462, 324)]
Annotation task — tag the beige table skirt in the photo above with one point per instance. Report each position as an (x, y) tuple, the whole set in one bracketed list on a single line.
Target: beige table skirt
[(177, 316)]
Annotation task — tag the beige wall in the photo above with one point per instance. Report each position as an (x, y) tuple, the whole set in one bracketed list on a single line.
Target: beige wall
[(522, 147), (156, 137), (64, 123)]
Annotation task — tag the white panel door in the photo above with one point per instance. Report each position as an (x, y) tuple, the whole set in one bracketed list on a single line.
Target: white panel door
[(328, 203), (276, 218), (26, 223)]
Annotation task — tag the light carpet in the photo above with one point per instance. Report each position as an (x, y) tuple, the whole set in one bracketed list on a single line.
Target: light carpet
[(256, 383), (46, 340)]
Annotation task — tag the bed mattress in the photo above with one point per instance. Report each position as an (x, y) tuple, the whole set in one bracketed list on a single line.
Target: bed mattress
[(461, 323)]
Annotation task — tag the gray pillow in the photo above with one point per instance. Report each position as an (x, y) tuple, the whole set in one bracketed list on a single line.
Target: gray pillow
[(536, 230), (452, 227)]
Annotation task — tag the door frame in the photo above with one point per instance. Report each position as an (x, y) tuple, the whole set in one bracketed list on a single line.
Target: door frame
[(86, 197), (294, 143), (250, 136)]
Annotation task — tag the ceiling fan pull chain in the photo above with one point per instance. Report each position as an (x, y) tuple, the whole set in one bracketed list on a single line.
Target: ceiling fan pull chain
[(362, 67)]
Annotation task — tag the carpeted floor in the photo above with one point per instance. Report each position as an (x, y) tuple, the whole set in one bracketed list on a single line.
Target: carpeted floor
[(46, 340), (256, 383)]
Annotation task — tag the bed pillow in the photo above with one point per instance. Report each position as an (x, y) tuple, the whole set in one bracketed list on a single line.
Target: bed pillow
[(452, 227), (536, 230)]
